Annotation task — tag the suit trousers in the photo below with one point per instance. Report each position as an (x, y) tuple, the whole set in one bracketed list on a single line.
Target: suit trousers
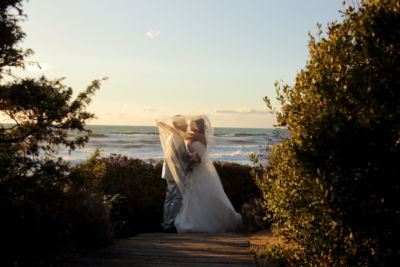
[(172, 205)]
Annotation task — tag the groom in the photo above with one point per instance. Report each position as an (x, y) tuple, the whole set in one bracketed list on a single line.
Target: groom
[(173, 197)]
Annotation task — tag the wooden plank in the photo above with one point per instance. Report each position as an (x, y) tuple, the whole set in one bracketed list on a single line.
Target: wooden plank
[(123, 263), (161, 249)]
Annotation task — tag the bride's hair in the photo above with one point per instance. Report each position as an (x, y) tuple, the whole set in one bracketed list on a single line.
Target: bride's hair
[(198, 125)]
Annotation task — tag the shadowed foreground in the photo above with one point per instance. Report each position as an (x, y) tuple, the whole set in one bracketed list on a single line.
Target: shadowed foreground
[(160, 249)]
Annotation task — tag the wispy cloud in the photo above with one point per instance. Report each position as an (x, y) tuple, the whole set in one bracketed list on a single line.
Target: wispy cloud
[(153, 34), (251, 111), (226, 111), (113, 114), (149, 109)]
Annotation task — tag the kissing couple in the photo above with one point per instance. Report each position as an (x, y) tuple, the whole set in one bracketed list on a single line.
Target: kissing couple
[(195, 199)]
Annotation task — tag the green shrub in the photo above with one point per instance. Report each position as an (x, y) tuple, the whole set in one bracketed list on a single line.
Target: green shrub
[(238, 183), (241, 189), (334, 186), (254, 215), (142, 185), (136, 191), (277, 255)]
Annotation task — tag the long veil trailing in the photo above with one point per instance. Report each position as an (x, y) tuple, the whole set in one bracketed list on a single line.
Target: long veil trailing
[(205, 206)]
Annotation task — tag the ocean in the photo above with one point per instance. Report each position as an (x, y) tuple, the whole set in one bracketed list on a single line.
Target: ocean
[(143, 142)]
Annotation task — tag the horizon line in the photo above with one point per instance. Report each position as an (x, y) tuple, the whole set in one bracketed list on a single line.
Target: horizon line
[(156, 126), (6, 123)]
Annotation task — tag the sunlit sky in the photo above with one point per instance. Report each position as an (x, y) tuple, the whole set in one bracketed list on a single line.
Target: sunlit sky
[(166, 57)]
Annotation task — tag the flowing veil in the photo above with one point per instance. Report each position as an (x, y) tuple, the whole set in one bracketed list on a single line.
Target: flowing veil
[(205, 206), (173, 145)]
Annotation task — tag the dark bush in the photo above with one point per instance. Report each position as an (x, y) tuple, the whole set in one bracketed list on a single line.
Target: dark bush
[(254, 215), (48, 210), (238, 183), (241, 189), (47, 219), (143, 187), (136, 191)]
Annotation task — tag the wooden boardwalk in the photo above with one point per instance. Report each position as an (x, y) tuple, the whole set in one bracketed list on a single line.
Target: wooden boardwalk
[(161, 249)]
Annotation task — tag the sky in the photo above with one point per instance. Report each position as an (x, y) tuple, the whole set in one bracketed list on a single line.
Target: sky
[(166, 57)]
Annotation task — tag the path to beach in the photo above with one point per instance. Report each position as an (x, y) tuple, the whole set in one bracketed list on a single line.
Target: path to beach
[(160, 249)]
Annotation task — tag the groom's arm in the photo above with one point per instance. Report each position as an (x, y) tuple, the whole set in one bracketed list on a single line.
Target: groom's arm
[(176, 150), (175, 159), (171, 129)]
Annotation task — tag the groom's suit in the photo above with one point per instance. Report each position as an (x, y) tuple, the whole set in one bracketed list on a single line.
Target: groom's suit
[(173, 198)]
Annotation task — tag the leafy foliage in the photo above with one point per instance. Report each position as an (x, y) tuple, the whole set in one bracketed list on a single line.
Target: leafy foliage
[(241, 189), (238, 182), (11, 55), (49, 210), (333, 187), (50, 215), (141, 184), (137, 191)]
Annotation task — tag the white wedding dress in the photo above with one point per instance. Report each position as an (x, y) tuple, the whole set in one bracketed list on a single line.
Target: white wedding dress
[(205, 207)]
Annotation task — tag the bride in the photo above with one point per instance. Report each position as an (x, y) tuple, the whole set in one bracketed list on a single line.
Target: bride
[(205, 206)]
